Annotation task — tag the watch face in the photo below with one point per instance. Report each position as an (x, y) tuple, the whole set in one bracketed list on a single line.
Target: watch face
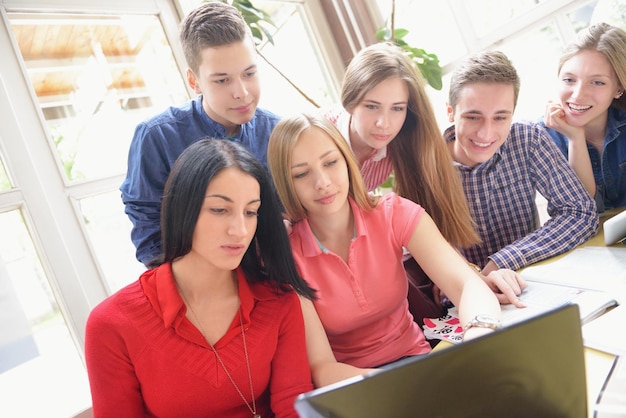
[(485, 319)]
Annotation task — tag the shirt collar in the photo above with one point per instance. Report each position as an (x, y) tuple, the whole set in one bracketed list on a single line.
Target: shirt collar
[(309, 245), (160, 289), (615, 123), (218, 127)]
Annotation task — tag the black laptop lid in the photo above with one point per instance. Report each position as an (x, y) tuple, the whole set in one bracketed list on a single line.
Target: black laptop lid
[(531, 369)]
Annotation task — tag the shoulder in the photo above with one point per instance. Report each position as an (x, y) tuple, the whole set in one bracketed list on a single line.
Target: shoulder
[(265, 116), (185, 123), (392, 206), (265, 293), (617, 116), (392, 200), (114, 309), (528, 134), (172, 115), (526, 128)]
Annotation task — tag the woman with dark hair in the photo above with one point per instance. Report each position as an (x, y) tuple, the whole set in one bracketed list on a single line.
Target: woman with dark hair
[(216, 329)]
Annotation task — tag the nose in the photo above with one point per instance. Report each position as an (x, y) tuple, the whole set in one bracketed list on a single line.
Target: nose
[(578, 90), (322, 180), (239, 89), (383, 120), (486, 131), (237, 226)]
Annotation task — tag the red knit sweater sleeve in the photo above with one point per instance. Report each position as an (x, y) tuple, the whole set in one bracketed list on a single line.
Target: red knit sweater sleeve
[(291, 374), (114, 385)]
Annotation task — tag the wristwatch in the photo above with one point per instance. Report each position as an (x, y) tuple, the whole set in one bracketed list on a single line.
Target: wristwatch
[(482, 321)]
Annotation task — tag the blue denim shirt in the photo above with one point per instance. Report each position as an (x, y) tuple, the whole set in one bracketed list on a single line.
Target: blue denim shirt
[(155, 146), (609, 169)]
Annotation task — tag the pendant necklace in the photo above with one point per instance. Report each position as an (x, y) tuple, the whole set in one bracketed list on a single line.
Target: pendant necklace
[(252, 407)]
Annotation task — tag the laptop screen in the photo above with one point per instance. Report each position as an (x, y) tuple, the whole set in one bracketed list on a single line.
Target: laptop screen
[(534, 368)]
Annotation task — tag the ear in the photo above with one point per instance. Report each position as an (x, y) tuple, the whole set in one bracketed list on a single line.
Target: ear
[(450, 111), (193, 81)]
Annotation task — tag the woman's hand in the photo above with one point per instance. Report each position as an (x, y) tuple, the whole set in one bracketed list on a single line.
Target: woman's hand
[(555, 118), (507, 286)]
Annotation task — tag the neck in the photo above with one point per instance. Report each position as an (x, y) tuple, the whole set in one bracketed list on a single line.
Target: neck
[(335, 225), (595, 130), (361, 150), (211, 283)]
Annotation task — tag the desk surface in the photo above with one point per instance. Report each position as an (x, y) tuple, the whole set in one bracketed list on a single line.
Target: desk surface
[(598, 364)]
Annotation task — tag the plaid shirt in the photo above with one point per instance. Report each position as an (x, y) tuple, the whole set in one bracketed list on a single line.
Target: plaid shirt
[(501, 194), (377, 168)]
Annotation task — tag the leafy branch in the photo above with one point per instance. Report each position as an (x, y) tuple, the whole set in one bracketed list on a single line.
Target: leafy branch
[(260, 23)]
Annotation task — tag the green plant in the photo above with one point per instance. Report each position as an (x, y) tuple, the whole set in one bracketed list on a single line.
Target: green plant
[(256, 19), (259, 22), (428, 64)]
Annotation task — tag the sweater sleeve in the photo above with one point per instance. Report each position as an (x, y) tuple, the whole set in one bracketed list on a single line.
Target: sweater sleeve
[(114, 384), (291, 374)]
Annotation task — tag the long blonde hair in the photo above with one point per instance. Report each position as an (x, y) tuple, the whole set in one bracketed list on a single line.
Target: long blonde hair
[(279, 158), (423, 168)]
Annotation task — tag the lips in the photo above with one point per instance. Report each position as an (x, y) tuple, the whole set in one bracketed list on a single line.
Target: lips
[(326, 200), (243, 109), (575, 108), (380, 137), (234, 249), (481, 144)]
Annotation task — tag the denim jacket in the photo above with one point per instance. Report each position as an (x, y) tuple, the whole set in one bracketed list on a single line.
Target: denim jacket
[(609, 169)]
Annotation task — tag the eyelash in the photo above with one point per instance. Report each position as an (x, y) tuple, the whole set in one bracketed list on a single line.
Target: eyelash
[(221, 211), (225, 80)]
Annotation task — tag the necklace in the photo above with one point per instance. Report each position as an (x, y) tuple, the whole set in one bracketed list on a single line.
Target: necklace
[(219, 359)]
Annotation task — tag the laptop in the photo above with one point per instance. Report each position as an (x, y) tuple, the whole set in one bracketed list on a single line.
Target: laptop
[(534, 368), (615, 228)]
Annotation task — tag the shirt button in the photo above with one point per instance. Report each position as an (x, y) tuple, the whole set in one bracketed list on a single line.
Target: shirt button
[(358, 293)]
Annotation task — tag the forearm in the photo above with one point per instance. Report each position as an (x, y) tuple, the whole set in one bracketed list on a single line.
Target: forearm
[(477, 299), (580, 161), (331, 372)]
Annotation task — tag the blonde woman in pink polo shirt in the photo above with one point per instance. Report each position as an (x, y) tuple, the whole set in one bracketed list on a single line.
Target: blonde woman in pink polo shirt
[(348, 245)]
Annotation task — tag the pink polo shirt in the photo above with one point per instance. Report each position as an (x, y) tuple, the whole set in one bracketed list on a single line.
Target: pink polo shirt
[(363, 304)]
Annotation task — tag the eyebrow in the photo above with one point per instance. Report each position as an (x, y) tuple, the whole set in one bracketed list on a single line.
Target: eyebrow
[(321, 156), (377, 102), (228, 199), (478, 112), (253, 66), (569, 73)]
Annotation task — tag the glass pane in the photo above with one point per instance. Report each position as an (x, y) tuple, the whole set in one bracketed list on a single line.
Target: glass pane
[(539, 74), (425, 23), (487, 15), (5, 182), (582, 17), (307, 72), (41, 371), (610, 11), (108, 229), (95, 78)]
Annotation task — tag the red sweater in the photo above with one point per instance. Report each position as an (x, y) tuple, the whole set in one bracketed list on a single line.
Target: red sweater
[(146, 359)]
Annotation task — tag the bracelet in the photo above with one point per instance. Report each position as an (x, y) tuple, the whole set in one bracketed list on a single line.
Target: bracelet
[(475, 267)]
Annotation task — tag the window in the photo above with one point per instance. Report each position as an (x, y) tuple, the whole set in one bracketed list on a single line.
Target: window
[(531, 33), (74, 83)]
